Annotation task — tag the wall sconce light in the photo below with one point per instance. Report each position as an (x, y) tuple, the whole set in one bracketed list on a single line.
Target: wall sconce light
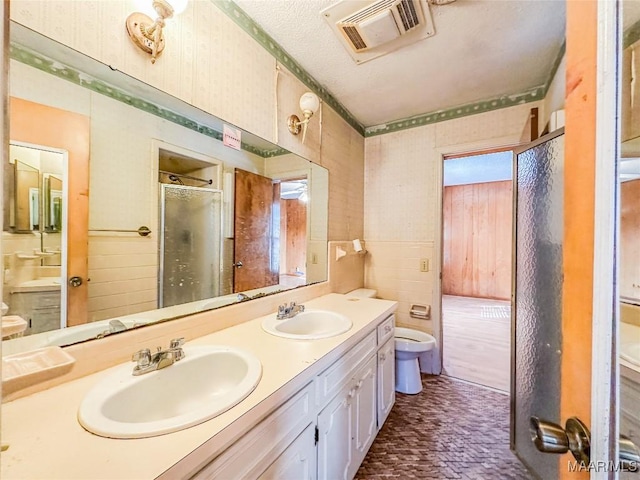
[(309, 104), (146, 33)]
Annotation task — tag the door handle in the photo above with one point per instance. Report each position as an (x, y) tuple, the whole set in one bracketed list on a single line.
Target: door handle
[(75, 281), (549, 437), (238, 265), (629, 455)]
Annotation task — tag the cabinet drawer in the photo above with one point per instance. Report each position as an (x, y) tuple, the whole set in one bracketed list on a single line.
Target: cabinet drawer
[(385, 329), (334, 378), (250, 456)]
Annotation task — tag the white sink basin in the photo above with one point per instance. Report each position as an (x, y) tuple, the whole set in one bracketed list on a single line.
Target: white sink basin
[(208, 381), (308, 325), (631, 353)]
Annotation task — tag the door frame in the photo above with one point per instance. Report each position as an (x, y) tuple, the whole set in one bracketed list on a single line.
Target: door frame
[(605, 368), (506, 142)]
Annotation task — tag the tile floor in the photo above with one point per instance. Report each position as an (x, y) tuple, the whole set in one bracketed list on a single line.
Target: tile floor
[(450, 430)]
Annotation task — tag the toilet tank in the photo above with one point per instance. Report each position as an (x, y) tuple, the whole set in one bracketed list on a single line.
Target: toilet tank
[(363, 293)]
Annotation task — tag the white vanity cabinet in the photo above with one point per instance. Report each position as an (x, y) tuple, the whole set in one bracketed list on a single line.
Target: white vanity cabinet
[(325, 430), (298, 461), (386, 380), (280, 443), (347, 426)]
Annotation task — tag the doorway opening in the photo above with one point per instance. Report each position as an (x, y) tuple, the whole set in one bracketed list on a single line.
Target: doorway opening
[(293, 232), (35, 238), (476, 267)]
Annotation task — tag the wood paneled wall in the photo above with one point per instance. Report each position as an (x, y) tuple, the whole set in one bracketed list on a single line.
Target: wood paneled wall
[(630, 239), (477, 240)]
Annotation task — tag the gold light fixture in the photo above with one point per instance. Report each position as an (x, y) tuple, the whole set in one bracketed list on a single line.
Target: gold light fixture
[(146, 33), (309, 104)]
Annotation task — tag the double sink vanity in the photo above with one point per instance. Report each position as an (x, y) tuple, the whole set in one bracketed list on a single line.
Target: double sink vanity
[(301, 396)]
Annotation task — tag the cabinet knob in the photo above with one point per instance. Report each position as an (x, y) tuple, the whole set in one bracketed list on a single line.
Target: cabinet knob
[(383, 357), (358, 385), (387, 329)]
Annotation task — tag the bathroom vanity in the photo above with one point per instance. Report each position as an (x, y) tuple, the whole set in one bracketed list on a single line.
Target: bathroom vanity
[(314, 413)]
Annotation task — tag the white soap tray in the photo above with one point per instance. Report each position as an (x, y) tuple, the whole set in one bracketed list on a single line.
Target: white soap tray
[(12, 324), (29, 368)]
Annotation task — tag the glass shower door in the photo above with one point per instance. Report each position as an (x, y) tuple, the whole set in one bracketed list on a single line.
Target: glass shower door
[(537, 303), (190, 244)]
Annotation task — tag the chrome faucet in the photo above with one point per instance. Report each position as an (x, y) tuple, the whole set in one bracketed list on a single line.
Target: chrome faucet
[(292, 310), (115, 326), (146, 362)]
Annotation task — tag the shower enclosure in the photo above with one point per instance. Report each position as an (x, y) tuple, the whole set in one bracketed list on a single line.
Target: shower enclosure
[(190, 244)]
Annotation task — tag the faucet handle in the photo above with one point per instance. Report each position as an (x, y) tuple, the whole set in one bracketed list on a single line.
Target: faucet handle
[(143, 357), (176, 342)]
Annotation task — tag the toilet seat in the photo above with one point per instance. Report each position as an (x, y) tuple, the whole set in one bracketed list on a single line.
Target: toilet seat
[(409, 340)]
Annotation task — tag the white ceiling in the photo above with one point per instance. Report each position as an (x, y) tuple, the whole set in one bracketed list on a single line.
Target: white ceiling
[(482, 49)]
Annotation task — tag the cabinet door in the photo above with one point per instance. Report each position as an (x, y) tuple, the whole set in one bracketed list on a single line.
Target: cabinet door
[(335, 426), (386, 381), (365, 412), (298, 461)]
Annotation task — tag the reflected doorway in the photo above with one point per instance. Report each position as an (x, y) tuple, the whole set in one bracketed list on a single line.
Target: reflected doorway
[(34, 241)]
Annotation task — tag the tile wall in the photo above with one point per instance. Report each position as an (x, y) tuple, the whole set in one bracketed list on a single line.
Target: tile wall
[(403, 202)]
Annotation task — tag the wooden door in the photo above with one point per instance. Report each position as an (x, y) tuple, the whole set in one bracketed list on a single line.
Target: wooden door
[(43, 125), (256, 232)]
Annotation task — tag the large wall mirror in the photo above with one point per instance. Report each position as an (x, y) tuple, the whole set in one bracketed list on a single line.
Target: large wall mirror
[(126, 208)]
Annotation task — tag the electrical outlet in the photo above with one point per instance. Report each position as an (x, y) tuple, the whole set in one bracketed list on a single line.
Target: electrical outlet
[(424, 264)]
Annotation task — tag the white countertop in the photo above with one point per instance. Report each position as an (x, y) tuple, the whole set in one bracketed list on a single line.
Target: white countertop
[(46, 441)]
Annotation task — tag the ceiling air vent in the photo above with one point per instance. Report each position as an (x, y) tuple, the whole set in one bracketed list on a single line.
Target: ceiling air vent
[(379, 27)]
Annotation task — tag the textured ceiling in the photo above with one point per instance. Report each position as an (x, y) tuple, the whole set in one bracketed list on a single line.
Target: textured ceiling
[(482, 49)]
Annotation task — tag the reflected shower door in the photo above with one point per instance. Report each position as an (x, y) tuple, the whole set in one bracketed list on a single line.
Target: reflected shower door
[(190, 244)]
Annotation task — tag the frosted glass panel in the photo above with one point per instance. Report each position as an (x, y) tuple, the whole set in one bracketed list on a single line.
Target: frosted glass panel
[(538, 297), (190, 246)]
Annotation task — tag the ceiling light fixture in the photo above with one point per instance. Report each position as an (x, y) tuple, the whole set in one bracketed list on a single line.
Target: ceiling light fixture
[(309, 104), (146, 33)]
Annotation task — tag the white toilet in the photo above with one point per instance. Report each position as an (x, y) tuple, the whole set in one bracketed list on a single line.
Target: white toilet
[(410, 344)]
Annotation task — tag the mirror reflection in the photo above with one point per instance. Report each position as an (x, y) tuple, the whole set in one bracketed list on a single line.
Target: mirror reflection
[(629, 222), (126, 207)]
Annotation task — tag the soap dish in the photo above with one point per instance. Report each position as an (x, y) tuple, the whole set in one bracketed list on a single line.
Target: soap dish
[(12, 324), (25, 369)]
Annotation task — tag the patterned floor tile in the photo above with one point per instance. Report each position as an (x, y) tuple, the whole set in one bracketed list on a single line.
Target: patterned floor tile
[(452, 430)]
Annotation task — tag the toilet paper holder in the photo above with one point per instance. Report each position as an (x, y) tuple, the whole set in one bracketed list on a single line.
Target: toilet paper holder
[(422, 312)]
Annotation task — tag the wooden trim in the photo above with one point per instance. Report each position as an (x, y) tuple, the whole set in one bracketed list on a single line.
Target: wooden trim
[(579, 183), (534, 123), (475, 153)]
